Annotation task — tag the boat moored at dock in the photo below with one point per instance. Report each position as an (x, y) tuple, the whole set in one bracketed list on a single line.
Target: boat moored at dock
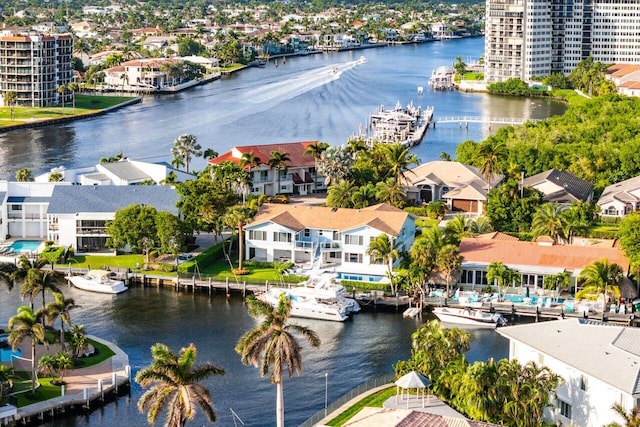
[(400, 125), (469, 316), (100, 281), (441, 78)]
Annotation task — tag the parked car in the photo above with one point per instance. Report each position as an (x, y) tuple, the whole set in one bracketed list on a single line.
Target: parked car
[(184, 258), (278, 198)]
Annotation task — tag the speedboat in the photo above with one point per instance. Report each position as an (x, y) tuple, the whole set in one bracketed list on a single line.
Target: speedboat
[(469, 316), (317, 298), (98, 281), (361, 60)]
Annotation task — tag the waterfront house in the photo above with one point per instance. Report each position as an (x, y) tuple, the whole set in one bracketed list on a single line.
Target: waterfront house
[(299, 177), (461, 186), (77, 214), (324, 237), (599, 365), (621, 198), (626, 78), (561, 187), (533, 260)]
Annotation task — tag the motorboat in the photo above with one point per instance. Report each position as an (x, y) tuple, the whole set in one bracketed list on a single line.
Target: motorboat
[(317, 298), (101, 281), (469, 316), (361, 60)]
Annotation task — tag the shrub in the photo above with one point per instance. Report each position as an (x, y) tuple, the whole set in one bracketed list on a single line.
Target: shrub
[(365, 286), (417, 210), (153, 254), (436, 210), (53, 254), (205, 259), (48, 242)]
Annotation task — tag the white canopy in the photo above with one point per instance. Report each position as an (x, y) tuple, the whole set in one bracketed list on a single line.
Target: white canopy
[(413, 380)]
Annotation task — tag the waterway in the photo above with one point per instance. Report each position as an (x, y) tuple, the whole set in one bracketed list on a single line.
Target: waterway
[(301, 99), (362, 348)]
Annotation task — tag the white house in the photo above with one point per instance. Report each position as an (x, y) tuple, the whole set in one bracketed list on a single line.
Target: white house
[(77, 214), (626, 77), (324, 237), (300, 176), (598, 363), (620, 198)]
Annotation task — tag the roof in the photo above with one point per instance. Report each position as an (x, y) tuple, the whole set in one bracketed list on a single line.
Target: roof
[(110, 198), (621, 70), (612, 191), (573, 188), (413, 380), (382, 217), (22, 199), (471, 191), (388, 417), (485, 250), (125, 171), (450, 174), (294, 149), (586, 346)]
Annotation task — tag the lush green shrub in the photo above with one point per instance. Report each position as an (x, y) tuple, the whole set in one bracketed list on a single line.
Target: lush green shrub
[(264, 264), (417, 210), (53, 254), (365, 286), (205, 259), (436, 210)]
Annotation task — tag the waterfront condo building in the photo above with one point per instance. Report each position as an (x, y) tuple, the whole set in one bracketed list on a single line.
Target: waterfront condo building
[(527, 38), (34, 66)]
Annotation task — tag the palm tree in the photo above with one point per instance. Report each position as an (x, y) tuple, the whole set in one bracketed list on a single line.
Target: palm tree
[(210, 153), (364, 196), (315, 150), (489, 153), (481, 225), (7, 271), (448, 261), (273, 345), (175, 386), (600, 278), (382, 248), (279, 161), (26, 324), (236, 218), (250, 161), (62, 90), (185, 147), (391, 192), (37, 282), (60, 307), (340, 194), (458, 228), (573, 222), (547, 221), (24, 175), (631, 418), (502, 275), (6, 383), (79, 341), (399, 158)]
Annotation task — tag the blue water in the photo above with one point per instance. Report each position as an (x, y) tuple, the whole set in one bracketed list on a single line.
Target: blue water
[(25, 245), (5, 354)]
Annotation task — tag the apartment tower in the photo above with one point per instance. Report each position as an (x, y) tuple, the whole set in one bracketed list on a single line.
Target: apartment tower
[(528, 38), (34, 67)]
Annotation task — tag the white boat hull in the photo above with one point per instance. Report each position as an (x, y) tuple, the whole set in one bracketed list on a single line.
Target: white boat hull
[(95, 283), (468, 317)]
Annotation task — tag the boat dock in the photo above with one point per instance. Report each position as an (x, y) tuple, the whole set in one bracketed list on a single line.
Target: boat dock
[(465, 120), (442, 78), (400, 125)]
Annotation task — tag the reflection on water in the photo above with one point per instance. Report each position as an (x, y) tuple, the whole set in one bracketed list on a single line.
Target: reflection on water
[(301, 100), (362, 348)]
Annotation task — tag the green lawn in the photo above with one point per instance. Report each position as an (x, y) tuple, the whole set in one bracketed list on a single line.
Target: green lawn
[(427, 222), (102, 353), (100, 261), (84, 104), (604, 230), (46, 391), (570, 96), (221, 270), (374, 400), (474, 76)]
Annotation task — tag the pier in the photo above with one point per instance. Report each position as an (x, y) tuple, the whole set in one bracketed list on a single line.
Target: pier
[(465, 120)]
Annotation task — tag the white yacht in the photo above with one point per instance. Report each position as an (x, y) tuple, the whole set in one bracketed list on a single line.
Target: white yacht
[(317, 298), (98, 281), (469, 316)]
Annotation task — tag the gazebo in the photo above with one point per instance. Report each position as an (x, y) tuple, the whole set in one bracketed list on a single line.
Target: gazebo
[(410, 381)]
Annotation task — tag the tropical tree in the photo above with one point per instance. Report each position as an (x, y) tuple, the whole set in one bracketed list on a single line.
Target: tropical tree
[(600, 278), (56, 177), (458, 228), (279, 161), (335, 164), (79, 341), (631, 418), (62, 90), (315, 150), (39, 282), (60, 308), (481, 225), (382, 249), (502, 276), (272, 345), (489, 155), (629, 235), (236, 218), (10, 98), (133, 226), (340, 194), (391, 192), (399, 158), (547, 221), (6, 383), (26, 325), (7, 271), (364, 196), (55, 366), (185, 147), (209, 153), (175, 386), (24, 175), (448, 261), (250, 161), (556, 282)]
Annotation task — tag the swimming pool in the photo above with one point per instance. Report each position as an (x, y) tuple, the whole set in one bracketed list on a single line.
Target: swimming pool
[(25, 245), (6, 353)]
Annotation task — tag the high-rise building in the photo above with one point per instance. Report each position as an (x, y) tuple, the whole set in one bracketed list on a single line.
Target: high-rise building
[(528, 38), (33, 67)]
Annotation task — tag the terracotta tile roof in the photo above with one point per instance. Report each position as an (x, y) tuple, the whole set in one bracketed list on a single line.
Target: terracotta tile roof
[(568, 257), (295, 149), (631, 84), (619, 70), (496, 235), (297, 217)]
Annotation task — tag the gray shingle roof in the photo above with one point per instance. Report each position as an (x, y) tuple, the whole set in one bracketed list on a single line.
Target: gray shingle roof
[(576, 188), (615, 190), (588, 347), (22, 199), (110, 198)]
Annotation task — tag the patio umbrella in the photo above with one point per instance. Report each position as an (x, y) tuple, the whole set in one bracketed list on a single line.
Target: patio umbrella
[(412, 380)]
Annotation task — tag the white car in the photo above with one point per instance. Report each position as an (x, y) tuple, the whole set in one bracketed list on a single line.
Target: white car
[(184, 258)]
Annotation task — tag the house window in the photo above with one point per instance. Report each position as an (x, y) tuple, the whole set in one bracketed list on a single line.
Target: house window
[(529, 280), (611, 210), (282, 237), (467, 277), (264, 175), (16, 207), (306, 232), (257, 235), (481, 278), (336, 236), (353, 257), (565, 409), (352, 239), (283, 188), (283, 173), (583, 383)]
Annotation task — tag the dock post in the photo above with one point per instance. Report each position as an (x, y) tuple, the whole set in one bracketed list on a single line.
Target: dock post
[(266, 286), (226, 285), (193, 284), (244, 289), (114, 381), (62, 390), (513, 313), (210, 286), (177, 282), (127, 370), (85, 396), (537, 314), (100, 389)]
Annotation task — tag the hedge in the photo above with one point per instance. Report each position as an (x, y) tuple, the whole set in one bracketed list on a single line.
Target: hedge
[(365, 286), (204, 259)]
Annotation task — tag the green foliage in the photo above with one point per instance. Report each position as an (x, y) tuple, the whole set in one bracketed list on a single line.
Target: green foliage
[(589, 77), (507, 211), (512, 87), (131, 226), (374, 400), (365, 286), (436, 209), (629, 235), (557, 81), (204, 259), (53, 254)]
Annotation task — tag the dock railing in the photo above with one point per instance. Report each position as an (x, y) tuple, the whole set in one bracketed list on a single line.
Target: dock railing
[(333, 406)]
